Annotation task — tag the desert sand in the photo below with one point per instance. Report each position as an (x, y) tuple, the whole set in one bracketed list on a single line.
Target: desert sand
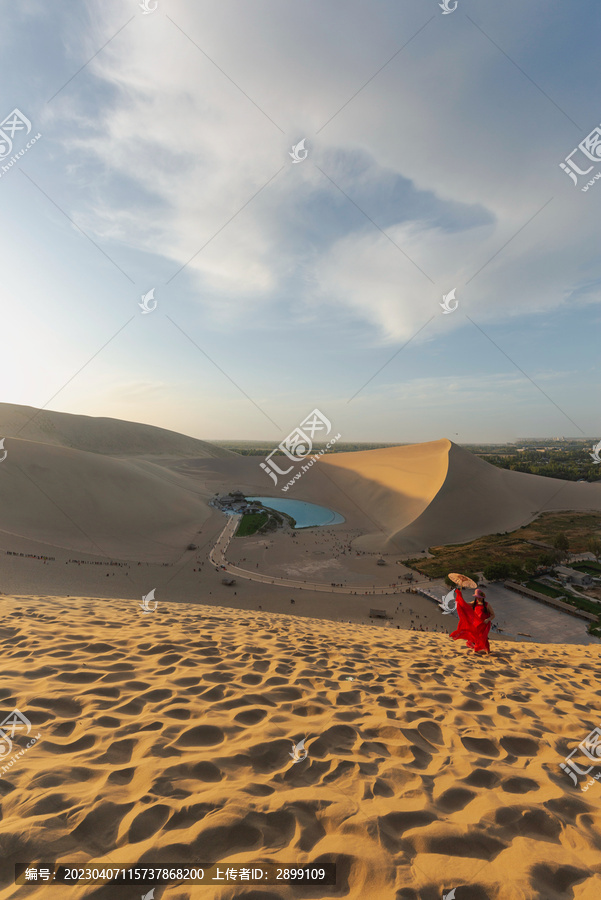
[(133, 491), (165, 737), (439, 493), (99, 434)]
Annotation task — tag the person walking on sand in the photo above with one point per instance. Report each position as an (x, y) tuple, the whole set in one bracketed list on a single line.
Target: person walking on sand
[(474, 621)]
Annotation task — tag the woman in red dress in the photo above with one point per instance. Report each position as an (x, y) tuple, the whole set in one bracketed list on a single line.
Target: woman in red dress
[(474, 621)]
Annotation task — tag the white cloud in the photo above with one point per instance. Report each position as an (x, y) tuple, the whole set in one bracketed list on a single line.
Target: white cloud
[(197, 150)]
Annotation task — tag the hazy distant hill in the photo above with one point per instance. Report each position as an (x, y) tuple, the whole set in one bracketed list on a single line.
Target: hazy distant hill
[(111, 437)]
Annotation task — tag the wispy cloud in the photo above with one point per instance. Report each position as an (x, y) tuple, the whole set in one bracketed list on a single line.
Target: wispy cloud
[(163, 149)]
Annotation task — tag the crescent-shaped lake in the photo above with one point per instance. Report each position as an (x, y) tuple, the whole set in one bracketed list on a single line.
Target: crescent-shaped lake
[(304, 514)]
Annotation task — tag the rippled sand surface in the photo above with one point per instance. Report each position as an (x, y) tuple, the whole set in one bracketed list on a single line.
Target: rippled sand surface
[(166, 737)]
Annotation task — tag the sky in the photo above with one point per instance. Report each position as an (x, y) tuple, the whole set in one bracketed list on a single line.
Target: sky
[(430, 165)]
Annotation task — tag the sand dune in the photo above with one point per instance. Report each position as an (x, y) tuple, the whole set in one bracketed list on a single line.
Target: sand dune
[(92, 503), (166, 738), (405, 499), (440, 493), (478, 498), (395, 500), (114, 437)]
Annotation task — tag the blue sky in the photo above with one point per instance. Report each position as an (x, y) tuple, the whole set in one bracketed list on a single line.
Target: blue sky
[(434, 144)]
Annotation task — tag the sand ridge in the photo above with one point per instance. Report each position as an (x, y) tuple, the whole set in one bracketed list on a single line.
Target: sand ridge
[(99, 434), (112, 487), (437, 493), (165, 737)]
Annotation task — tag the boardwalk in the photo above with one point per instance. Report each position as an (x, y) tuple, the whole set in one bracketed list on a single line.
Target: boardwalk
[(218, 557)]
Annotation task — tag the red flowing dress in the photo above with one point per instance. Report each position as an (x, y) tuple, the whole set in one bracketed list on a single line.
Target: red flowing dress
[(472, 627)]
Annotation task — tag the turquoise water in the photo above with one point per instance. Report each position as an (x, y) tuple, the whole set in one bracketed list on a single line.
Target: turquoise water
[(304, 514)]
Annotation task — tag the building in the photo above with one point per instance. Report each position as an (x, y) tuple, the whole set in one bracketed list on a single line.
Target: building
[(573, 576)]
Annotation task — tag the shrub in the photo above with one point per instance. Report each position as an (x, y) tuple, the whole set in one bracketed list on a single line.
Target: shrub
[(497, 571)]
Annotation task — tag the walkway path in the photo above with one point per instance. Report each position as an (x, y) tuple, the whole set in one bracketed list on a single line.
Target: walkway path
[(218, 557)]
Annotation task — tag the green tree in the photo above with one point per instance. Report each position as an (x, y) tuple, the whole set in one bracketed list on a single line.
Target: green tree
[(497, 571), (562, 544), (550, 559), (518, 572), (593, 545)]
